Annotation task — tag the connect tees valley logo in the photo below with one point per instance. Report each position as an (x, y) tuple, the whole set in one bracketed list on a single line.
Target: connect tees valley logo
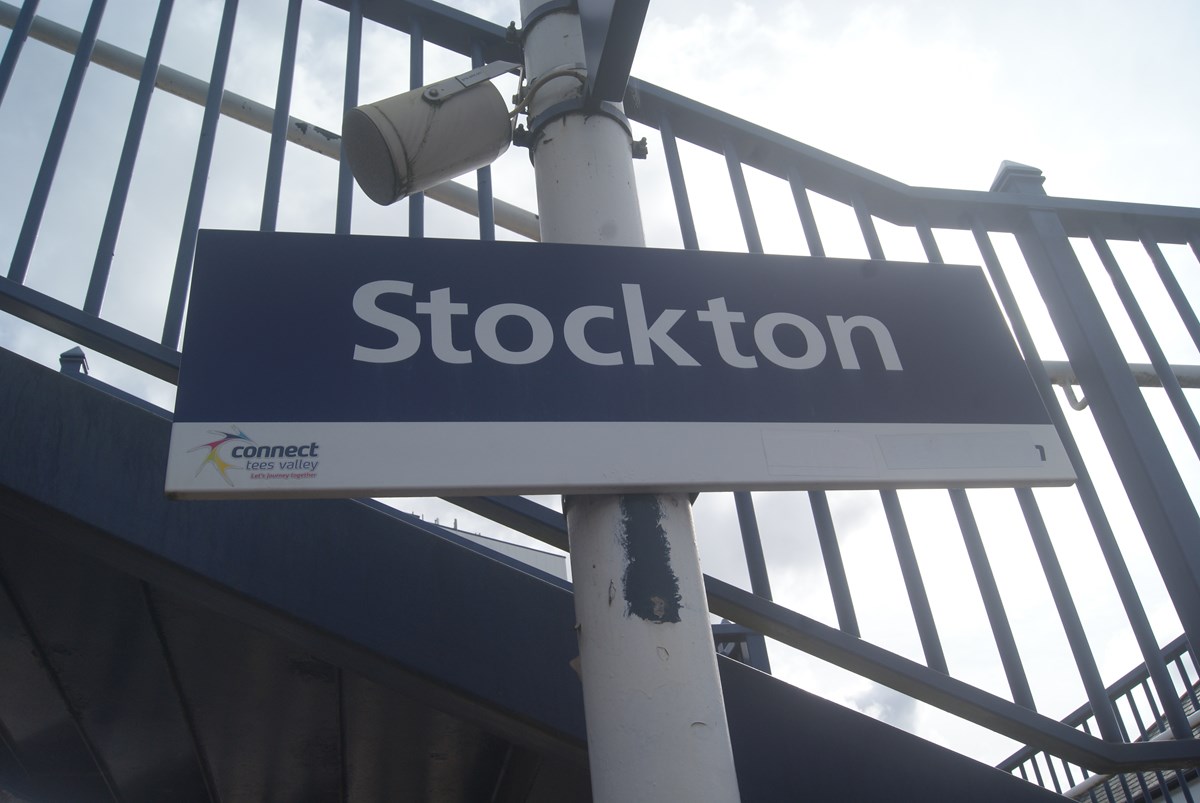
[(237, 451)]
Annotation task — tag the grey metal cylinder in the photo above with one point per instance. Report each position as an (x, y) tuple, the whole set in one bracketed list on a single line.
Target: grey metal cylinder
[(408, 143)]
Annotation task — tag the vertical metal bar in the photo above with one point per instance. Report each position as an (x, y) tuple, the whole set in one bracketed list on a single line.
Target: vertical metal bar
[(741, 194), (1160, 498), (751, 540), (1162, 785), (1137, 715), (835, 570), (831, 553), (917, 597), (1154, 712), (1010, 657), (279, 125), (1006, 645), (683, 207), (1070, 775), (760, 583), (1178, 297), (1105, 539), (1102, 707), (808, 222), (1187, 683), (1037, 771), (907, 557), (483, 176), (1145, 333), (1125, 787), (866, 225), (54, 146), (133, 138), (929, 242), (416, 78), (195, 203), (1183, 784), (1053, 774), (345, 192), (16, 41)]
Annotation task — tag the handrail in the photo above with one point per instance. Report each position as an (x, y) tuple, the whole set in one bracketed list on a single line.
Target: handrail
[(260, 116)]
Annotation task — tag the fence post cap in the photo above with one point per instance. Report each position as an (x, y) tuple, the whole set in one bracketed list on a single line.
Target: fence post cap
[(1017, 177)]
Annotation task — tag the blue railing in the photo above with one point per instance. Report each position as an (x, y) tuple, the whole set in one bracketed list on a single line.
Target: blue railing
[(1023, 237)]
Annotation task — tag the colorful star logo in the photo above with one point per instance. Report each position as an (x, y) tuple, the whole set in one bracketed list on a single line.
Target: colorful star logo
[(214, 458)]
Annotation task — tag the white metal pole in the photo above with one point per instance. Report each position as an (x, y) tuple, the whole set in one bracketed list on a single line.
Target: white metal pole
[(652, 694)]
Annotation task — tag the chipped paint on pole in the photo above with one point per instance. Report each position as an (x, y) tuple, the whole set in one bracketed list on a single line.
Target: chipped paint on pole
[(655, 716), (651, 587)]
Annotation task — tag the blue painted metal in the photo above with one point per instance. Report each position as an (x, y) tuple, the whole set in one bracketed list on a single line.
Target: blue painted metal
[(806, 169), (756, 562), (741, 195), (808, 221), (1102, 709), (1159, 497), (180, 280), (133, 138), (16, 41), (283, 103), (1006, 645), (483, 176), (916, 680), (251, 630), (416, 78), (835, 569), (87, 330), (918, 598), (1186, 314), (54, 145), (345, 191), (1105, 538), (611, 29), (1010, 656), (1145, 333), (683, 207)]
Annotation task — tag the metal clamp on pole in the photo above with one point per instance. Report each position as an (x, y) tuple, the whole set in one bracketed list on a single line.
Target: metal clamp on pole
[(571, 106)]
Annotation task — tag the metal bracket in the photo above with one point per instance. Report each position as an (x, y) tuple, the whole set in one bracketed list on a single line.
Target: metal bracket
[(1078, 403), (436, 93), (565, 107)]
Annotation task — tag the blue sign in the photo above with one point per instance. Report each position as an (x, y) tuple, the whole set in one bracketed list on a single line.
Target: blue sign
[(508, 367)]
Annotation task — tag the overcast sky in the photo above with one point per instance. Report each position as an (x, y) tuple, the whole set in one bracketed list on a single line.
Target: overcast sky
[(1100, 95)]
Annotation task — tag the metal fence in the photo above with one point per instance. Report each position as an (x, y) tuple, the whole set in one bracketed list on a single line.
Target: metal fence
[(1134, 423)]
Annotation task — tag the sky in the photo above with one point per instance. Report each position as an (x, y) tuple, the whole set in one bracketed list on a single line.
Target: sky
[(1099, 95)]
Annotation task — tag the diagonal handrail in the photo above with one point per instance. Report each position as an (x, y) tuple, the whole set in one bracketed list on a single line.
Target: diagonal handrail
[(876, 663)]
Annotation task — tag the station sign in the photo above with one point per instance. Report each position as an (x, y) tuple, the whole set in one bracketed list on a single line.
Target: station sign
[(322, 365)]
